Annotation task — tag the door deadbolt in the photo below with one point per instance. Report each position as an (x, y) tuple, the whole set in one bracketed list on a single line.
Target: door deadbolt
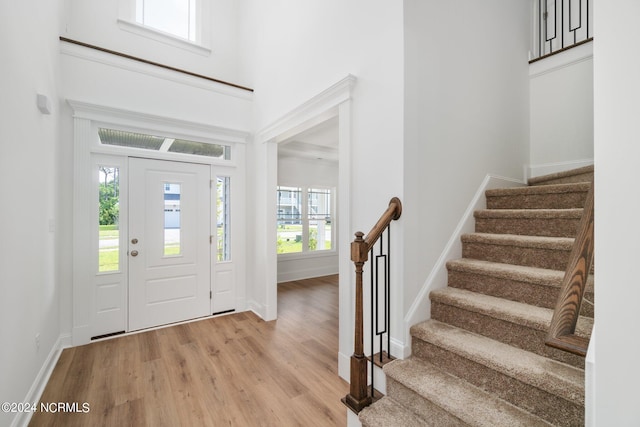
[(134, 253), (134, 241)]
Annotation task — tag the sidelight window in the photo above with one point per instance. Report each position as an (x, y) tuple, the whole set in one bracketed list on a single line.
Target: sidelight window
[(223, 218)]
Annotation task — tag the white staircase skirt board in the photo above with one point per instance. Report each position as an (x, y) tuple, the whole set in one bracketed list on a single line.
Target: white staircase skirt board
[(420, 310)]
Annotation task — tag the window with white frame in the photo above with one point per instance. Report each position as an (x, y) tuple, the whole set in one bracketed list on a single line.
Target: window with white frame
[(182, 23), (162, 144), (177, 17), (305, 219)]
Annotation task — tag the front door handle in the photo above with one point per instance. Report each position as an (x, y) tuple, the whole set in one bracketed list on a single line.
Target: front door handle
[(134, 253)]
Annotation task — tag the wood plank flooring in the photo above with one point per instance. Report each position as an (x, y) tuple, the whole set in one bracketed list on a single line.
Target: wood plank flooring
[(233, 370)]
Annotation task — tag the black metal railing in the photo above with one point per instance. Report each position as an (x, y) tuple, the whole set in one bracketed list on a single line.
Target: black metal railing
[(560, 25), (380, 305), (362, 248)]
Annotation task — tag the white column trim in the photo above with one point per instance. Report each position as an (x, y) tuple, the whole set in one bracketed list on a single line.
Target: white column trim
[(331, 102)]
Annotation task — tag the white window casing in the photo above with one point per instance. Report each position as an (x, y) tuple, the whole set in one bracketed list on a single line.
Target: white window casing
[(199, 40)]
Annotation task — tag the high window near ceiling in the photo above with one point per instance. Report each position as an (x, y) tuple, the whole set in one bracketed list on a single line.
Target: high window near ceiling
[(182, 23), (177, 17)]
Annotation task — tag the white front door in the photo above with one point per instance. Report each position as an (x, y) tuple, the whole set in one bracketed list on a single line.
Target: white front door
[(169, 243)]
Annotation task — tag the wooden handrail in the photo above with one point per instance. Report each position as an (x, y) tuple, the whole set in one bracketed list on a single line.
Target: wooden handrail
[(565, 317), (358, 397), (155, 64)]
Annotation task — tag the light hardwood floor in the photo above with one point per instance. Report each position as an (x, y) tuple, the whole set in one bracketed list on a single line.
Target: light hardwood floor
[(233, 370)]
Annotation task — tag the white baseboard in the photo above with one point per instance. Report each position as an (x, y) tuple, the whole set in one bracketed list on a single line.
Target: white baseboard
[(380, 380), (307, 274), (549, 168), (257, 308), (352, 419), (399, 348), (344, 366), (590, 383), (241, 304), (80, 335), (420, 310), (37, 388)]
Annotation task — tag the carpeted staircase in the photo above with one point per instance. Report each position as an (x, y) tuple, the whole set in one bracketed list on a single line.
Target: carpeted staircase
[(481, 359)]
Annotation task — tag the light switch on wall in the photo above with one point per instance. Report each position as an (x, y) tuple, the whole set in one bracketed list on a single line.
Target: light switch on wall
[(44, 104)]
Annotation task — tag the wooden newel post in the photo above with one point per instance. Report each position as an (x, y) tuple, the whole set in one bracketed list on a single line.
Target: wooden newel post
[(358, 396)]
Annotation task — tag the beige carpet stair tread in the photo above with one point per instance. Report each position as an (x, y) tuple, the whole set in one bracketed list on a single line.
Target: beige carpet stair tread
[(388, 413), (521, 273), (529, 213), (461, 399), (540, 189), (511, 311), (540, 276), (540, 180), (554, 377), (558, 243)]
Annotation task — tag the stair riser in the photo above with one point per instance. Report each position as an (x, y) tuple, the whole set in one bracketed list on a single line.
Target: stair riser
[(554, 259), (538, 201), (514, 334), (556, 227), (521, 291), (421, 406), (539, 402)]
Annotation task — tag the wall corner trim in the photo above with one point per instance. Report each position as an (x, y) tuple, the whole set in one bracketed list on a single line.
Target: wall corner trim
[(306, 115)]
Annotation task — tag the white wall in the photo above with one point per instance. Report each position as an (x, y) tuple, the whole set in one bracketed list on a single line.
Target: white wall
[(295, 50), (29, 280), (616, 112), (102, 79), (96, 22), (466, 115), (561, 111), (299, 172)]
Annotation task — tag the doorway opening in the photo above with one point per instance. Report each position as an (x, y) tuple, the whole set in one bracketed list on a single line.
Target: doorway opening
[(307, 212)]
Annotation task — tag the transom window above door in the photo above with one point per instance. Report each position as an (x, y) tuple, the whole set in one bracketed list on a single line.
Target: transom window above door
[(163, 144)]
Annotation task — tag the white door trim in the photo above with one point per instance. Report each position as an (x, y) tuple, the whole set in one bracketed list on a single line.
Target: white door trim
[(86, 119)]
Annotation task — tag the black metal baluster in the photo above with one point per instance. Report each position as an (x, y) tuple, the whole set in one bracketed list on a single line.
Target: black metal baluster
[(374, 298), (540, 53), (587, 18), (378, 332), (562, 22), (388, 293)]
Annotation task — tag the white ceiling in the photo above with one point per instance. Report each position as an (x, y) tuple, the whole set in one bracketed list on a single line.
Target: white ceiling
[(318, 143)]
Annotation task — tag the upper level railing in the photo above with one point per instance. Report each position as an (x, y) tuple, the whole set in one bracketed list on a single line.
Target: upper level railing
[(559, 25), (565, 317), (360, 395)]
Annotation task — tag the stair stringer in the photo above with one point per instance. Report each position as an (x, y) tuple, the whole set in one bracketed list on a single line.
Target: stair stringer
[(420, 309)]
